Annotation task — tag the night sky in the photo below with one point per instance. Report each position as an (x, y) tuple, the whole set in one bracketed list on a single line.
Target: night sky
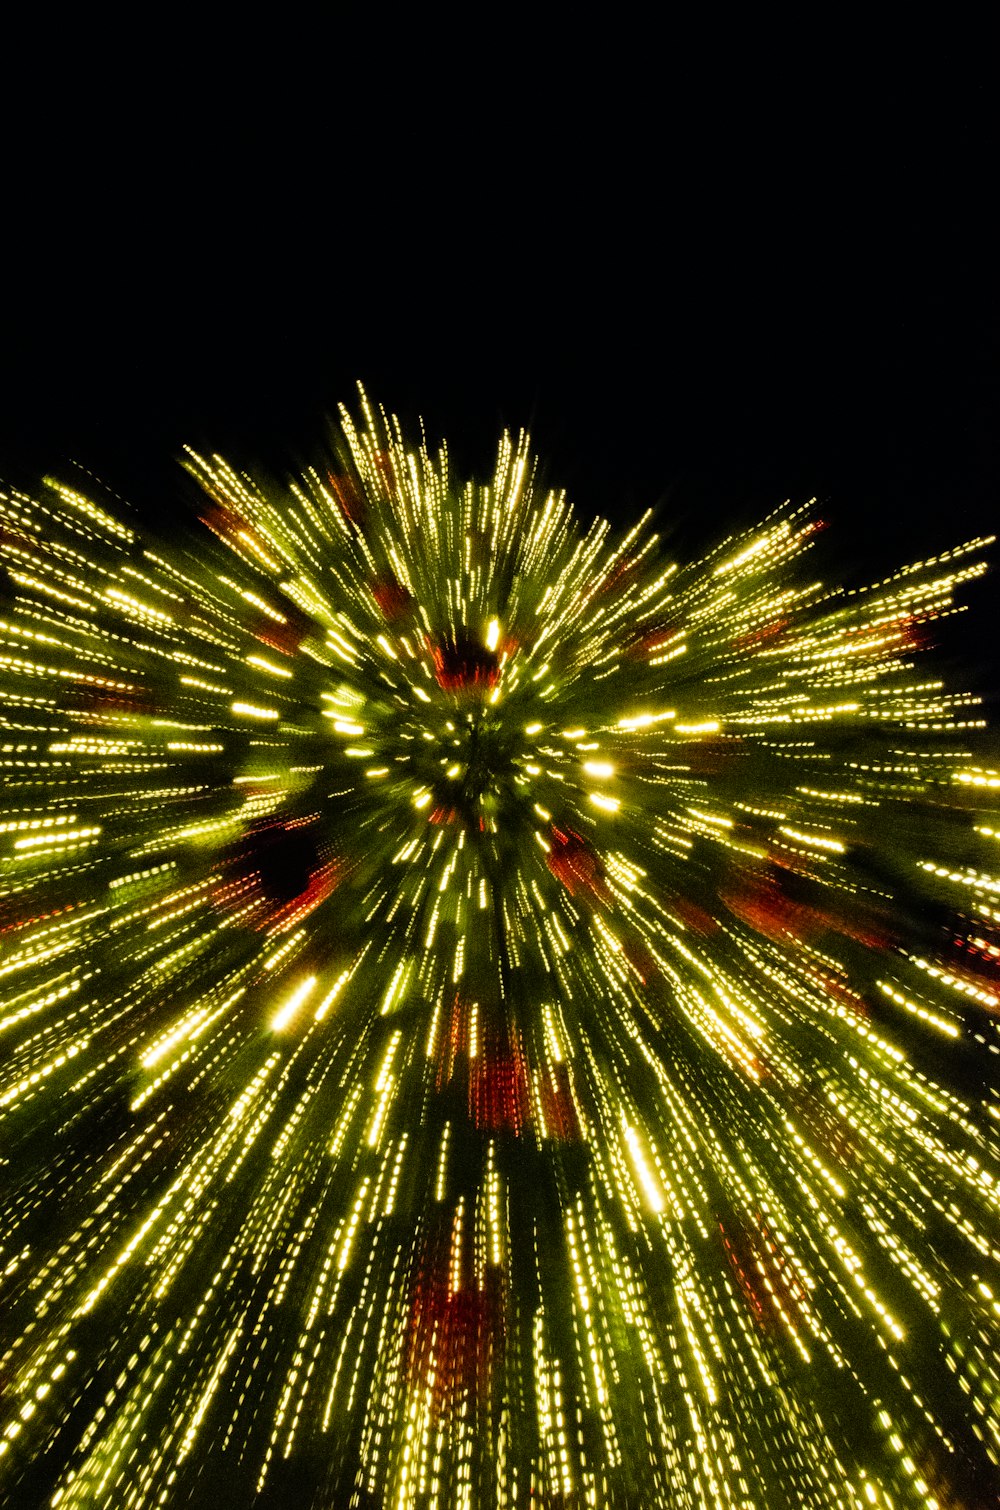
[(706, 277)]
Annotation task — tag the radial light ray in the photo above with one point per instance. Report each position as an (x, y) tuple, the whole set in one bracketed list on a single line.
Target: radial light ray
[(489, 1017)]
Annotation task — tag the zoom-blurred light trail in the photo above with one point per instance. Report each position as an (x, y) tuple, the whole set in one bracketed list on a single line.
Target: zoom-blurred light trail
[(489, 1018)]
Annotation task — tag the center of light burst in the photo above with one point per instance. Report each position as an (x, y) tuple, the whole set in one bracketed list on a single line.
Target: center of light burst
[(473, 751), (468, 753), (479, 761)]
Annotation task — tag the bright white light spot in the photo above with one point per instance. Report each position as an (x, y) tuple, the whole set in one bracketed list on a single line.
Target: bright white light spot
[(650, 1188), (598, 768), (250, 711), (284, 1015)]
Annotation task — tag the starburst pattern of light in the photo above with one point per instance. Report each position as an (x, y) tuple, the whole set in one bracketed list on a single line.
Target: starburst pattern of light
[(488, 1018)]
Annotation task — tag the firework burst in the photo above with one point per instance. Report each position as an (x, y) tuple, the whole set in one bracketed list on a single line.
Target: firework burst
[(489, 1018)]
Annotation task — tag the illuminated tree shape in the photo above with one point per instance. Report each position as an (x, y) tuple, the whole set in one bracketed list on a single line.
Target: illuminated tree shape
[(489, 1018)]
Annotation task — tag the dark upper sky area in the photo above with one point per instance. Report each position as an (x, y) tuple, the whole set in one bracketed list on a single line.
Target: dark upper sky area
[(707, 272)]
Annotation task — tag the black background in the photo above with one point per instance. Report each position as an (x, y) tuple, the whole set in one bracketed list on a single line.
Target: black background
[(708, 269)]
